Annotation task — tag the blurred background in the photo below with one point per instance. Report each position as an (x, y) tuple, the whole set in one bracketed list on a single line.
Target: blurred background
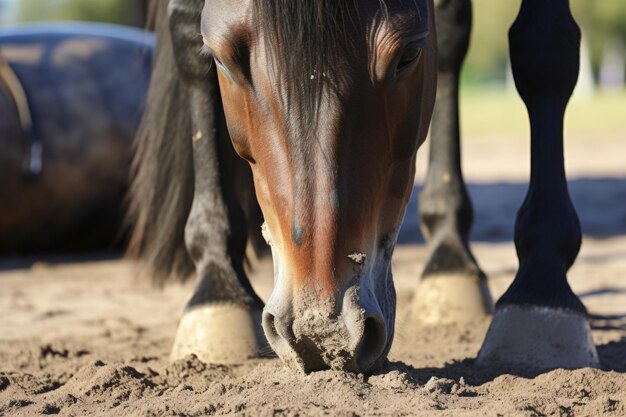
[(124, 12), (603, 24), (71, 98), (486, 72), (494, 122)]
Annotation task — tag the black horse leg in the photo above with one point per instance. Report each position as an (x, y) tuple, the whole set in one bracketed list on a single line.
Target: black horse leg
[(222, 319), (539, 322), (452, 287)]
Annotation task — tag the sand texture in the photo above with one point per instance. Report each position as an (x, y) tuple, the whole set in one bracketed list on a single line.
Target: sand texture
[(87, 339)]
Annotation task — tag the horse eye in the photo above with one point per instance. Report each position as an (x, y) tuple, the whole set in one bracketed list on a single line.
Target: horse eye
[(409, 57)]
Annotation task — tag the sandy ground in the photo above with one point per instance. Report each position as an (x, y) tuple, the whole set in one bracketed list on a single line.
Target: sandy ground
[(85, 338)]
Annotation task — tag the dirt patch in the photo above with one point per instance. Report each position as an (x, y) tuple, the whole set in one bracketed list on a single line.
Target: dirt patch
[(86, 339)]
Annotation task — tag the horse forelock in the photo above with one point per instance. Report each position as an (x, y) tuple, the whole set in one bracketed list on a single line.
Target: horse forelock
[(307, 43)]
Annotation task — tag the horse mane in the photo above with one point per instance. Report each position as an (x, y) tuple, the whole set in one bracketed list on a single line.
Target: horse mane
[(162, 177), (161, 190)]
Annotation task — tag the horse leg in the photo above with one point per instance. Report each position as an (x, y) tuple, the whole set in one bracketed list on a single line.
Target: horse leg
[(222, 321), (539, 322), (452, 286)]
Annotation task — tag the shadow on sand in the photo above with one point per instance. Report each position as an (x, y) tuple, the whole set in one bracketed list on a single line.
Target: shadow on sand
[(601, 205), (27, 261), (600, 202), (611, 354)]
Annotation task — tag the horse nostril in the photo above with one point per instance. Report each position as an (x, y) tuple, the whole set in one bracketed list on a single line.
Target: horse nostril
[(277, 332), (373, 343), (269, 327), (310, 352)]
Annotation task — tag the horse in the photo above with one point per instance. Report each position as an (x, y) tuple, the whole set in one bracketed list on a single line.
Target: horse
[(326, 102), (71, 98)]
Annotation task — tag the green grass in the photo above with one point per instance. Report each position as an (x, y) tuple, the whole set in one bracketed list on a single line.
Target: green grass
[(499, 112)]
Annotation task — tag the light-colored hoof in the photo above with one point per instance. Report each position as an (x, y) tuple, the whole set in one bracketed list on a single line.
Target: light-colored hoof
[(220, 333), (538, 338), (449, 299)]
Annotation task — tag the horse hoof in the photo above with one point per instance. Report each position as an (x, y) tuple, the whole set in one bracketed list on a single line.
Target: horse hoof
[(538, 339), (450, 299), (219, 333)]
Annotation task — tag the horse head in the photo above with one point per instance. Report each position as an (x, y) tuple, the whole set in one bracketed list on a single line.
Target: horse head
[(328, 101)]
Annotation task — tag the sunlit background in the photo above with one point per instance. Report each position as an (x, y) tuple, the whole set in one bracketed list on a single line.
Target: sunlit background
[(493, 117), (486, 71), (603, 24), (126, 12)]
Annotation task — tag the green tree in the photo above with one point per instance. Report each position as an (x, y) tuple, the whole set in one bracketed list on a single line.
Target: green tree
[(110, 11), (600, 21), (488, 52)]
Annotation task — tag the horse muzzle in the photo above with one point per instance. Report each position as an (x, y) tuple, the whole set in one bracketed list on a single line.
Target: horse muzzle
[(346, 331)]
